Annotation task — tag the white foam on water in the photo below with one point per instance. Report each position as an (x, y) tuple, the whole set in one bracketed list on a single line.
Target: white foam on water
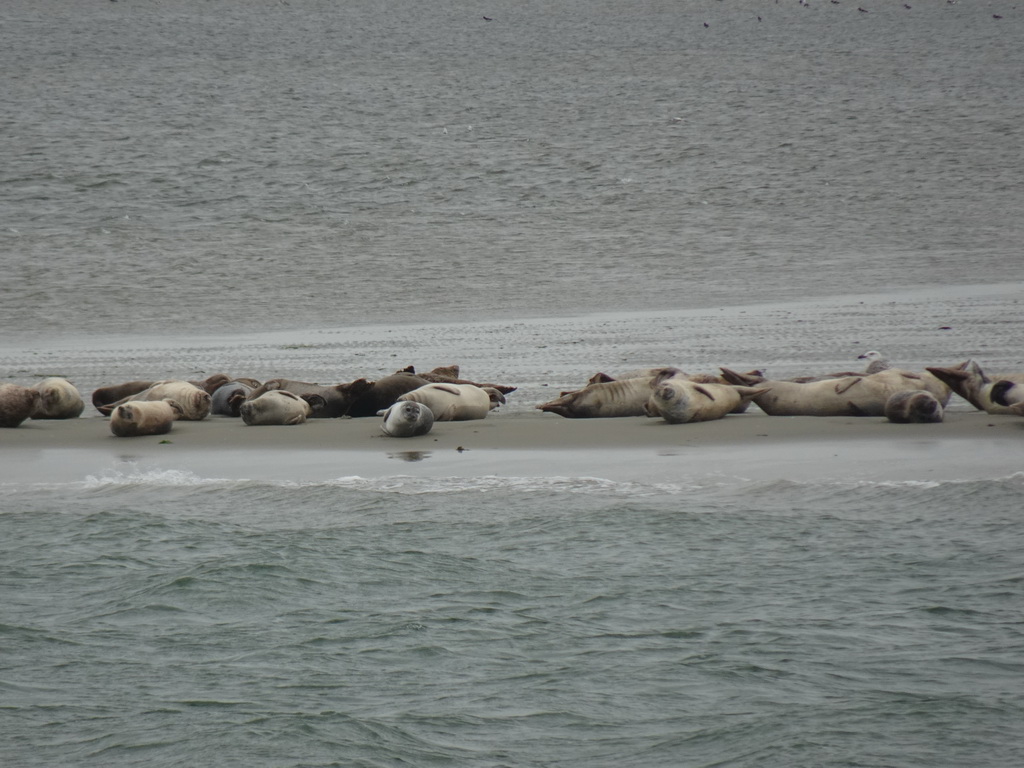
[(410, 485)]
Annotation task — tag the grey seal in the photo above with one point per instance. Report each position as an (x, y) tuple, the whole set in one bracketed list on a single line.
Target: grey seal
[(407, 419)]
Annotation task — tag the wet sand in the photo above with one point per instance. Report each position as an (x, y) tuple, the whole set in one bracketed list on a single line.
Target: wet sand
[(966, 446)]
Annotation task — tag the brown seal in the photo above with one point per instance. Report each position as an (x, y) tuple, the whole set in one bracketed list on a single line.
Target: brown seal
[(17, 403), (449, 374)]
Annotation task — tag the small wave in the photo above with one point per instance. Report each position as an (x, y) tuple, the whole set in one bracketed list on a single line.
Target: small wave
[(140, 479), (861, 484), (409, 485), (154, 477)]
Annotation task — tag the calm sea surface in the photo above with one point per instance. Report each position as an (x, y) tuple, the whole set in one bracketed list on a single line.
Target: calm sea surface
[(181, 168), (197, 165)]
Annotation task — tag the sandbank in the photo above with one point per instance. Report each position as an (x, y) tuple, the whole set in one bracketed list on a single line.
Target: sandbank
[(968, 445), (543, 356)]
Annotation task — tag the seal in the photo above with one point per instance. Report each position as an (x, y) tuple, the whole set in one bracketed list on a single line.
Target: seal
[(914, 407), (407, 419), (975, 386), (640, 373), (368, 398), (1009, 394), (358, 398), (846, 396), (194, 401), (681, 401), (650, 373), (58, 399), (144, 417), (116, 394), (329, 401), (449, 374), (275, 408), (607, 398), (455, 402), (17, 403), (228, 398)]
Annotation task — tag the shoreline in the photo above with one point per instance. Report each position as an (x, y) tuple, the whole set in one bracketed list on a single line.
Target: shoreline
[(968, 445)]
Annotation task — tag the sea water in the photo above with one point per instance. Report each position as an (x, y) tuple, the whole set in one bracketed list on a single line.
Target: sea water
[(164, 618)]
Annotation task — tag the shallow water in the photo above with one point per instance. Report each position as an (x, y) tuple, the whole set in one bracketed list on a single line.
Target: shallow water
[(512, 622)]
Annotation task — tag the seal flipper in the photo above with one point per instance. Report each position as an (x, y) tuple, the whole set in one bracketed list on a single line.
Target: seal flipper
[(704, 392), (844, 384)]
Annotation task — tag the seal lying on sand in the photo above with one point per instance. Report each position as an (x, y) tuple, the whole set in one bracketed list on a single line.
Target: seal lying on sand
[(275, 408), (195, 402), (846, 396), (407, 418), (144, 417), (914, 407), (328, 401), (607, 398), (878, 364), (368, 398), (358, 398), (58, 399), (116, 393), (680, 401), (449, 374), (975, 386), (17, 403), (651, 373), (1008, 394), (228, 398), (119, 393), (455, 402)]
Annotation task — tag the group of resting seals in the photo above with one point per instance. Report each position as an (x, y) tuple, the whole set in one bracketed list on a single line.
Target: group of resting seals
[(880, 390), (51, 398), (410, 402)]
